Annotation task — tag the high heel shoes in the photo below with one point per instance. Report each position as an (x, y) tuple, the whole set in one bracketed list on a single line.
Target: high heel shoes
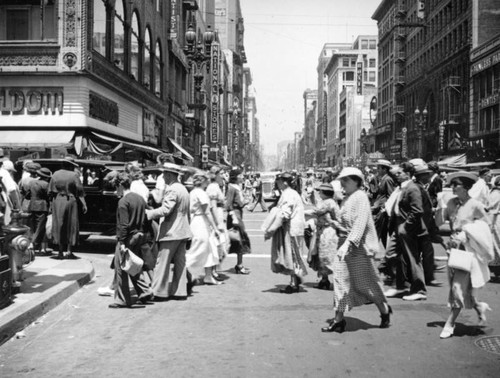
[(386, 319), (241, 270), (481, 309), (335, 327)]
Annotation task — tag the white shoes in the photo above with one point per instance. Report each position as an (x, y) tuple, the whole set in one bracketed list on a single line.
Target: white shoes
[(447, 332), (105, 292), (391, 293), (415, 297), (482, 307)]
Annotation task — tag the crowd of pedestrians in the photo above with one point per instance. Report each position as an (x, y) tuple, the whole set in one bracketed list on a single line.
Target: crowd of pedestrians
[(184, 228)]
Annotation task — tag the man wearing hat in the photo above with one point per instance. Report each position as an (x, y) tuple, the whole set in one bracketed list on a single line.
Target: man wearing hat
[(386, 186), (29, 174), (37, 195), (422, 177), (173, 235)]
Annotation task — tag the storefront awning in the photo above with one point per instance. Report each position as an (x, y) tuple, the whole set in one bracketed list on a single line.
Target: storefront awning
[(182, 150), (35, 138), (127, 144), (454, 160)]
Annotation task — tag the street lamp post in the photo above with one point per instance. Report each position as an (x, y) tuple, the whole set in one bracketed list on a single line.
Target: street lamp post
[(421, 121), (198, 57)]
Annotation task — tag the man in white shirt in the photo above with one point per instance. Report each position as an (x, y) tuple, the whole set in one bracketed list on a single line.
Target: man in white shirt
[(480, 190)]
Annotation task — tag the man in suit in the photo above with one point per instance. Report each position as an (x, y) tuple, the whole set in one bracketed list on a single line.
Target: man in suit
[(435, 184), (385, 188), (408, 226), (173, 235)]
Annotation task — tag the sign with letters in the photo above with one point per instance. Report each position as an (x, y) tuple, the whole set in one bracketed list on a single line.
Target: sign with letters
[(214, 122)]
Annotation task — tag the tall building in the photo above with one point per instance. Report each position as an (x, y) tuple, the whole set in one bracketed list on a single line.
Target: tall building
[(322, 102), (310, 115), (353, 67)]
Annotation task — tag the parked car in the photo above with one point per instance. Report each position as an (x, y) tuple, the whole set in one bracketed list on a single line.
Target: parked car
[(100, 194)]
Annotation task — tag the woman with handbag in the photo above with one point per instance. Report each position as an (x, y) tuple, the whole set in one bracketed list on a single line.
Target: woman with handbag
[(203, 250), (461, 211), (240, 242)]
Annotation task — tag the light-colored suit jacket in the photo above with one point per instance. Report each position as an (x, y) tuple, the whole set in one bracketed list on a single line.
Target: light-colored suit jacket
[(175, 210)]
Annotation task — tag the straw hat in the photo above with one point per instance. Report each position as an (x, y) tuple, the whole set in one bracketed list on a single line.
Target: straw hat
[(384, 163), (351, 171), (170, 167), (325, 187), (422, 169), (461, 174), (44, 172)]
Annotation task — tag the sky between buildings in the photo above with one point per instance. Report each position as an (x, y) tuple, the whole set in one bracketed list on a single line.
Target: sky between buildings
[(283, 40)]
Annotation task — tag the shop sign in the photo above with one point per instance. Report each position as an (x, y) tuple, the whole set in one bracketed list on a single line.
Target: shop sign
[(485, 63), (359, 78), (489, 101), (404, 143), (441, 137), (325, 117), (172, 34), (35, 100), (214, 123), (103, 109)]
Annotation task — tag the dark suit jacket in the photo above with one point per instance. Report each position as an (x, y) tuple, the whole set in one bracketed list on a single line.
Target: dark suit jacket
[(385, 188), (435, 187), (411, 211), (38, 195)]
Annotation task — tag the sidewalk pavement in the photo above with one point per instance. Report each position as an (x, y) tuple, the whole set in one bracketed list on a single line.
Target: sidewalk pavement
[(47, 283)]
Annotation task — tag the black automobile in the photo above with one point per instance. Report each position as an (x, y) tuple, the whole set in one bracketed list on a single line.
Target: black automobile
[(100, 194)]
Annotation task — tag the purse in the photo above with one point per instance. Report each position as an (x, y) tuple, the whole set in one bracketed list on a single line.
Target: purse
[(131, 263), (461, 260)]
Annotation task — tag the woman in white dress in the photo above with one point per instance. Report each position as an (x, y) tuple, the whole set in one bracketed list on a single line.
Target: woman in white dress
[(202, 253)]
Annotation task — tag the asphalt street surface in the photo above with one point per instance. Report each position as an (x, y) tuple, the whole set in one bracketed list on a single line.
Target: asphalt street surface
[(247, 328)]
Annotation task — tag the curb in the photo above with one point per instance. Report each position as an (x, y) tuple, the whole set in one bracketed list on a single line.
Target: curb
[(30, 311)]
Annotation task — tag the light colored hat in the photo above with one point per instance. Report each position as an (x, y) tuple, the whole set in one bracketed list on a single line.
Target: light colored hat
[(417, 161), (351, 171), (8, 165), (215, 169), (460, 174), (170, 167), (310, 172), (44, 172), (384, 163), (421, 169)]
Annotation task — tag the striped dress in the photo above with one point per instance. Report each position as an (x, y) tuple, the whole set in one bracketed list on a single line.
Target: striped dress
[(356, 281)]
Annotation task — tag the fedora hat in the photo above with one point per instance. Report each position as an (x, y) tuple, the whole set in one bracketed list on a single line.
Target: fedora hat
[(325, 187), (417, 161), (421, 169), (351, 171), (170, 167), (44, 172), (384, 163)]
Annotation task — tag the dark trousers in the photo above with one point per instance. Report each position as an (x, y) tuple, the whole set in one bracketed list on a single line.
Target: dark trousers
[(122, 289), (408, 246), (38, 221), (259, 200), (425, 245)]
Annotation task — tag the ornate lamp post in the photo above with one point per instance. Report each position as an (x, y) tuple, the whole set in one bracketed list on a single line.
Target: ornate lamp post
[(421, 121), (198, 56)]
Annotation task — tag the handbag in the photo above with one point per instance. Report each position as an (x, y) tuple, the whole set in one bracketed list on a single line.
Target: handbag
[(131, 263), (461, 260)]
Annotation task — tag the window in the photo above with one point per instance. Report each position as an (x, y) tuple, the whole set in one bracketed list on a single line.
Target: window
[(119, 37), (134, 48), (100, 32), (28, 20), (348, 76), (373, 44), (353, 62), (146, 67), (345, 62), (371, 76), (372, 62), (157, 70), (364, 44)]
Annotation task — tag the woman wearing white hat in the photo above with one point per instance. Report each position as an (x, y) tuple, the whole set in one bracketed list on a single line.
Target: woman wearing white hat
[(356, 281)]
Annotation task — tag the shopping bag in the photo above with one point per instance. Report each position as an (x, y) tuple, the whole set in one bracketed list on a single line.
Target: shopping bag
[(131, 263), (459, 259)]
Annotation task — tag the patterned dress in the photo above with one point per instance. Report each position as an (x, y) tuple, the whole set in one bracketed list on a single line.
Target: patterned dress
[(356, 281), (327, 240)]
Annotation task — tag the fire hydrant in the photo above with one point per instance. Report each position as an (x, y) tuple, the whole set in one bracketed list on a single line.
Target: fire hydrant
[(15, 245)]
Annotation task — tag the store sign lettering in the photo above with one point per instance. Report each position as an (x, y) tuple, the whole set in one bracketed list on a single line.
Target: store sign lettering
[(486, 63), (359, 78), (173, 20), (214, 124), (33, 100), (489, 101)]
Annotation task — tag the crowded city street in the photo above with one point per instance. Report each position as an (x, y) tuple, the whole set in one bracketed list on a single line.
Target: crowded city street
[(246, 328)]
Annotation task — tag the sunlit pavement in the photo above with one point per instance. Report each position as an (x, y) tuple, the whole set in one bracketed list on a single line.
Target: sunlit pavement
[(246, 328)]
